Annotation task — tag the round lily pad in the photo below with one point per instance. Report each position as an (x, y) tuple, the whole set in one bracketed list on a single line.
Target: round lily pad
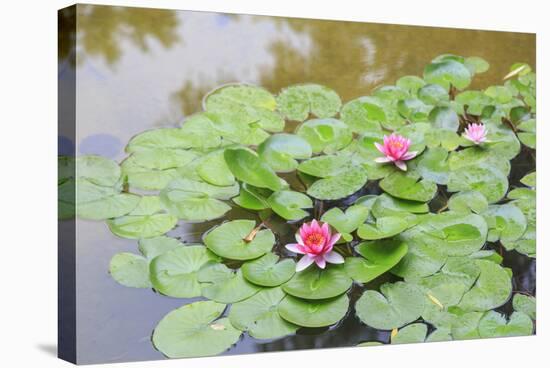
[(135, 227), (248, 167), (268, 271), (397, 305), (494, 324), (325, 166), (258, 315), (410, 334), (107, 207), (433, 165), (506, 222), (152, 247), (194, 330), (339, 186), (313, 313), (384, 227), (252, 198), (468, 201), (290, 204), (297, 102), (346, 222), (364, 114), (315, 283), (448, 73), (408, 186), (487, 180), (226, 286), (130, 270), (526, 304), (377, 258), (325, 135), (228, 240), (280, 151), (214, 170), (98, 170), (174, 273)]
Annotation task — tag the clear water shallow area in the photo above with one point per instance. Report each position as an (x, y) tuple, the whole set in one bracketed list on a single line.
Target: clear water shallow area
[(139, 69)]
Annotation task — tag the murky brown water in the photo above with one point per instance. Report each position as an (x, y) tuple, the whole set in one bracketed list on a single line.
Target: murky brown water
[(137, 69)]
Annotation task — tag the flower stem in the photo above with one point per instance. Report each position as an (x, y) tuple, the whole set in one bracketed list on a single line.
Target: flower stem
[(253, 233)]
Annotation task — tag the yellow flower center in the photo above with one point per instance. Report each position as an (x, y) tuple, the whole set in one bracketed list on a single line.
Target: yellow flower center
[(314, 240)]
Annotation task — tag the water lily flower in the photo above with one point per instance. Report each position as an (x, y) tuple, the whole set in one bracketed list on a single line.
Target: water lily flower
[(396, 150), (476, 133), (315, 242)]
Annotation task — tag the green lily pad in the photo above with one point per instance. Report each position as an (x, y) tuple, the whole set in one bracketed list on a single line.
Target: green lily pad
[(230, 289), (325, 135), (530, 179), (491, 290), (258, 315), (152, 247), (340, 186), (148, 205), (280, 151), (313, 313), (297, 102), (194, 330), (167, 138), (363, 114), (476, 64), (447, 73), (97, 170), (289, 204), (487, 180), (214, 170), (468, 201), (409, 186), (397, 305), (130, 270), (248, 167), (268, 271), (199, 128), (148, 179), (174, 273), (433, 165), (413, 109), (525, 304), (162, 158), (315, 283), (384, 227), (506, 222), (410, 83), (410, 334), (494, 324), (110, 206), (346, 222), (432, 94), (246, 104), (252, 198), (136, 227), (386, 205), (325, 166), (227, 240), (379, 257)]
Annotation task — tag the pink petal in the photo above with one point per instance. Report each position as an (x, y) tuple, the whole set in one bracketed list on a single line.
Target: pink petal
[(315, 226), (409, 155), (334, 239), (380, 147), (401, 165), (334, 257), (304, 263), (382, 160), (320, 261), (299, 239), (296, 248)]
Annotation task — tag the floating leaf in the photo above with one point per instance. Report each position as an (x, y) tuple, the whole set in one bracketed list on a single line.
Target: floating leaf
[(416, 332), (280, 151), (494, 324), (448, 73), (268, 271), (214, 170), (432, 94), (135, 227), (384, 227), (194, 330), (397, 305), (339, 186), (487, 180), (230, 289), (530, 179), (325, 166), (468, 201), (289, 204), (227, 240), (379, 257), (174, 273), (410, 83), (363, 114), (433, 165), (103, 208), (247, 166), (525, 304), (476, 64), (409, 186), (297, 102), (153, 247), (325, 135), (314, 283), (98, 170), (348, 222), (130, 270), (167, 138), (313, 313), (259, 316), (252, 198), (506, 222)]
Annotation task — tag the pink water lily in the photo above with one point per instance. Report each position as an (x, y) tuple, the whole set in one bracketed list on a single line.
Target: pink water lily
[(476, 133), (396, 150), (315, 242)]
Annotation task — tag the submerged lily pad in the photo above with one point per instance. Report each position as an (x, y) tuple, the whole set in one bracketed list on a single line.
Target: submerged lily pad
[(268, 271), (494, 324), (228, 240), (130, 270), (379, 257), (174, 273), (339, 186), (258, 315), (194, 330), (315, 283), (297, 102), (397, 305), (313, 313)]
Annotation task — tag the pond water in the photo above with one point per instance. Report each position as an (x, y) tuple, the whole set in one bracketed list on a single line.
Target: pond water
[(139, 69)]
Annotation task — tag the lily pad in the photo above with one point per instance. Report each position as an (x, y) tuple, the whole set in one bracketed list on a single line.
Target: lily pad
[(525, 304), (230, 289), (136, 227), (363, 114), (325, 135), (258, 315), (97, 170), (379, 257), (506, 222), (494, 324), (174, 273), (252, 198), (315, 283), (409, 186), (290, 205), (167, 138), (339, 186), (325, 166), (448, 73), (530, 179), (433, 165), (110, 206), (130, 270), (156, 246), (228, 240), (384, 227), (280, 151), (487, 180), (468, 201), (346, 222), (214, 170), (248, 167), (268, 271), (313, 313), (194, 330), (297, 102), (398, 304)]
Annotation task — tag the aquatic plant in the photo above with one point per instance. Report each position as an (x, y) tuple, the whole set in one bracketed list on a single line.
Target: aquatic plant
[(422, 247)]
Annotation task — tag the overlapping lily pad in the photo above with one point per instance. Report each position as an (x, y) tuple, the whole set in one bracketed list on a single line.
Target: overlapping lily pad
[(269, 271), (225, 286), (297, 102), (379, 257), (248, 167), (346, 222), (290, 205), (130, 270), (384, 227), (409, 186), (313, 313), (494, 324), (325, 135), (282, 150), (339, 186), (314, 283)]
